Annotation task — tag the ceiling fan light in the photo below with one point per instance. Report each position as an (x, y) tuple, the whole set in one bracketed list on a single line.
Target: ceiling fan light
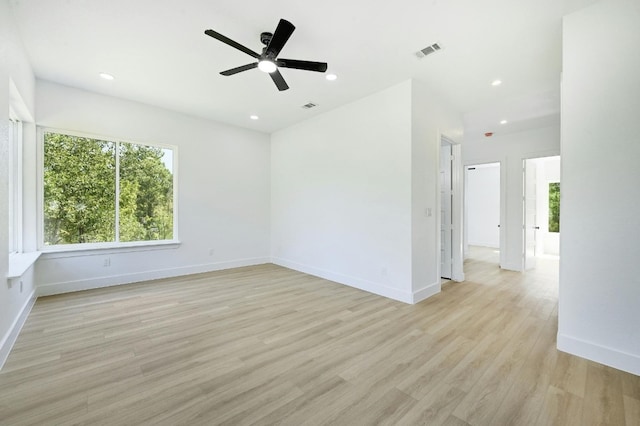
[(267, 66)]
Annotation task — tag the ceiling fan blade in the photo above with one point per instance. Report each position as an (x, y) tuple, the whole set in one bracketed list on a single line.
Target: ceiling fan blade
[(236, 70), (280, 37), (235, 44), (279, 80), (302, 65)]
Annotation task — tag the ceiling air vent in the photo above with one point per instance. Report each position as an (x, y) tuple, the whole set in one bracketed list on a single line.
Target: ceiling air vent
[(428, 50), (309, 105)]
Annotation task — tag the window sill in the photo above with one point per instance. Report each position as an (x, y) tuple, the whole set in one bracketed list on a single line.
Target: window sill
[(102, 249), (19, 263)]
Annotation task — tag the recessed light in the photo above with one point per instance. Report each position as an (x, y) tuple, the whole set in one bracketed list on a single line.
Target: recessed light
[(106, 76), (254, 117), (496, 82), (503, 122), (331, 77)]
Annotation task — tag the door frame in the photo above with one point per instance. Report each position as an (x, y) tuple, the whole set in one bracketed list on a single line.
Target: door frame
[(533, 156), (529, 165), (503, 206)]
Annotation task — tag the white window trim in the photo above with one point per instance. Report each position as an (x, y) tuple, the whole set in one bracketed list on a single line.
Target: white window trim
[(66, 250), (105, 249), (15, 183), (19, 263)]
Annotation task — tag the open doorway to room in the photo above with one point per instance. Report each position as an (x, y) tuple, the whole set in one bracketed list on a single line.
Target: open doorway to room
[(541, 210), (482, 214)]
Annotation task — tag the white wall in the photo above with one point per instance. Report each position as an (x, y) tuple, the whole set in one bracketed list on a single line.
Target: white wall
[(341, 194), (223, 189), (350, 189), (431, 117), (510, 150), (15, 299), (599, 317), (482, 197), (552, 169)]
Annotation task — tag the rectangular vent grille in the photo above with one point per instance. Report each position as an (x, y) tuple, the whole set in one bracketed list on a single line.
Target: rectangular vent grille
[(309, 105), (428, 50)]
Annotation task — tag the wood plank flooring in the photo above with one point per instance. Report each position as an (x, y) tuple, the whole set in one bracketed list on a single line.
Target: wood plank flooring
[(266, 345)]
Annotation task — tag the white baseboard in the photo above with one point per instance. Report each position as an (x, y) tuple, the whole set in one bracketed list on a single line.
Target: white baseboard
[(601, 354), (484, 244), (9, 339), (369, 286), (113, 280), (426, 292)]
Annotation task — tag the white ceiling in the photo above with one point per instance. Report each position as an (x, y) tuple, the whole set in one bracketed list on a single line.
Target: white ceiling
[(159, 54)]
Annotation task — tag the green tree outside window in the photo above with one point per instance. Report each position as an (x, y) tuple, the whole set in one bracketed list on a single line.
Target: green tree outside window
[(80, 191), (554, 207)]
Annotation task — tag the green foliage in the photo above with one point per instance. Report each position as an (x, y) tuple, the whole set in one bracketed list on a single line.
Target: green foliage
[(80, 191), (146, 194), (554, 207)]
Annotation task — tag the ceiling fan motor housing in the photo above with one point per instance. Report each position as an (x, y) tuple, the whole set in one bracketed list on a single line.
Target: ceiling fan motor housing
[(265, 38)]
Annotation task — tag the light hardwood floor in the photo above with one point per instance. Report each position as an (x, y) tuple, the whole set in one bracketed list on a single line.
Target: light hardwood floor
[(266, 345)]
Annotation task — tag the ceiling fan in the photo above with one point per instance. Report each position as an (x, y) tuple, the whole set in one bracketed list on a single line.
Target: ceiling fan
[(268, 61)]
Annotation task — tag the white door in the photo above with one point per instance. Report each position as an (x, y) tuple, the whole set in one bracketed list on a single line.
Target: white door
[(529, 214), (446, 253), (482, 192)]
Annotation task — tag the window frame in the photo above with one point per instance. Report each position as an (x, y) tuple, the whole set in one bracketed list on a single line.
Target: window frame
[(16, 184), (130, 245)]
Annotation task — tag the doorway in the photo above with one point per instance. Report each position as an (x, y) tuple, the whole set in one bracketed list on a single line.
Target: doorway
[(541, 210), (482, 213)]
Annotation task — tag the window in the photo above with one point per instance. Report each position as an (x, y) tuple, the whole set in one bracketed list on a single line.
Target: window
[(554, 207), (99, 191), (15, 184)]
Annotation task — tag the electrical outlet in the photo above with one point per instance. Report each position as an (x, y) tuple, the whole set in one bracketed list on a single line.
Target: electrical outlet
[(107, 262), (383, 271), (212, 251)]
